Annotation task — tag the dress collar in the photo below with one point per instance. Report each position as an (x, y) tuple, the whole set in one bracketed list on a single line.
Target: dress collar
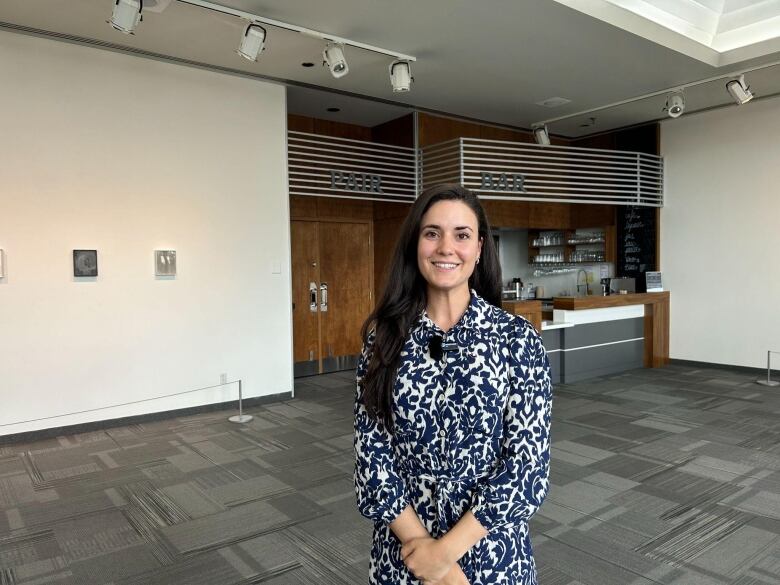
[(462, 332)]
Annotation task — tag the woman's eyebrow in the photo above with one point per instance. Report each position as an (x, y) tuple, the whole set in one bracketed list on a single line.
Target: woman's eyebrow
[(438, 227)]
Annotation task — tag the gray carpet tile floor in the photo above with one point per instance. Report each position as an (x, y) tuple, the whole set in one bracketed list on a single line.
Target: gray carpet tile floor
[(667, 476)]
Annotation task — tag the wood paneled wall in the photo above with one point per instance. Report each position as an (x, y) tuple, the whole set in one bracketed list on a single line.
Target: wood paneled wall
[(528, 214), (330, 208), (433, 129), (399, 132), (388, 219), (645, 139), (327, 127)]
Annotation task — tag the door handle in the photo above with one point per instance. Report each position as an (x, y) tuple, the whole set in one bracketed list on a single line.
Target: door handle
[(313, 297), (324, 297)]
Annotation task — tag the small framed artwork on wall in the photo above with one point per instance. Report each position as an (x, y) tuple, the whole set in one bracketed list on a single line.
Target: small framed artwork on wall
[(165, 262), (85, 263)]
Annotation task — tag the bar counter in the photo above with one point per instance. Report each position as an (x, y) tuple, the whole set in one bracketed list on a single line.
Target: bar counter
[(655, 314), (596, 336)]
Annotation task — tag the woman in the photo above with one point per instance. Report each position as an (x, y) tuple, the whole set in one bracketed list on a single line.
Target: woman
[(452, 414)]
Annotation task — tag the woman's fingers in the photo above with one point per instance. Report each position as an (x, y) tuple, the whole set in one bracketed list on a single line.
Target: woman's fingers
[(407, 549)]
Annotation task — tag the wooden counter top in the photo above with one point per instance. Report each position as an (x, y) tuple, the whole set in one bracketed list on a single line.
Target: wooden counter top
[(599, 302), (527, 303)]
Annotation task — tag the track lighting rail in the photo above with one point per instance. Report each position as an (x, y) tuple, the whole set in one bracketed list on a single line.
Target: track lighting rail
[(299, 29), (673, 89)]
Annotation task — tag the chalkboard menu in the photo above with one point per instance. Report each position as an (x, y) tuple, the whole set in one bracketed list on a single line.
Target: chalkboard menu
[(635, 242)]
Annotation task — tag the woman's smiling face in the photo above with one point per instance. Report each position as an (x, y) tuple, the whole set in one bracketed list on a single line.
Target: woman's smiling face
[(448, 245)]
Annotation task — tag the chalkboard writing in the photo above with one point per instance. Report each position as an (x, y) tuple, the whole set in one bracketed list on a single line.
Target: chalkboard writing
[(635, 242)]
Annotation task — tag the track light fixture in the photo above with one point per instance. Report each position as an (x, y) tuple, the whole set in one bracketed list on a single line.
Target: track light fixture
[(252, 42), (126, 15), (333, 57), (739, 90), (541, 135), (675, 104), (735, 84), (401, 76)]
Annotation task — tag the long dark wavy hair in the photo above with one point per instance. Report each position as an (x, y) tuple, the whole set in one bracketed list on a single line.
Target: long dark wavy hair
[(404, 296)]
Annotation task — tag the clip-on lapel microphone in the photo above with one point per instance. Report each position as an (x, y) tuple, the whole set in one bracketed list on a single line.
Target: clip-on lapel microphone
[(437, 347)]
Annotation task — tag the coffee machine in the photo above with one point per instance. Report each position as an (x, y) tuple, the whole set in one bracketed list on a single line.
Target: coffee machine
[(605, 284)]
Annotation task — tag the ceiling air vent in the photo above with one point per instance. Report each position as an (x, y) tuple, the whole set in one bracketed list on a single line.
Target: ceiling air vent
[(553, 102), (156, 5)]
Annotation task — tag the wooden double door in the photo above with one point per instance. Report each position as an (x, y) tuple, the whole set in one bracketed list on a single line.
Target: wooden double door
[(332, 282)]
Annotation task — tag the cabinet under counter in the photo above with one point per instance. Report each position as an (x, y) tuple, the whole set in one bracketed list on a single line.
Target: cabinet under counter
[(531, 310), (596, 336)]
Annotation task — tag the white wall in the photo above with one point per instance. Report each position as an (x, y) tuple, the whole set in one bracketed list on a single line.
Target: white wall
[(720, 233), (125, 155)]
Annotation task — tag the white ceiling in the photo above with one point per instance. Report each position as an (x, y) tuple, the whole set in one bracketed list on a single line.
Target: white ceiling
[(489, 60)]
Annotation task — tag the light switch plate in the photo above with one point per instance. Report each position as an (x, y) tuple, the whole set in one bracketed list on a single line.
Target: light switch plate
[(2, 263), (276, 267)]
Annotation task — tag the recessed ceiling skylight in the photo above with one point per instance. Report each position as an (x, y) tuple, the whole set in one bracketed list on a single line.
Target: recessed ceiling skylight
[(718, 32)]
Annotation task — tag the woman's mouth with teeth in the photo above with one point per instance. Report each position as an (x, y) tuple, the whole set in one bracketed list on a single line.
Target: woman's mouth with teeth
[(445, 265)]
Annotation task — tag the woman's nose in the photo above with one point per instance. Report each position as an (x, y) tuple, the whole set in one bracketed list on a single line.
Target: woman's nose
[(445, 244)]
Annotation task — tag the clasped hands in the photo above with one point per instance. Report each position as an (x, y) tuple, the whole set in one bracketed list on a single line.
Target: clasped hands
[(431, 561)]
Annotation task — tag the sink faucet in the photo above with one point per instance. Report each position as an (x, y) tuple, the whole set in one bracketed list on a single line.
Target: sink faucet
[(586, 285)]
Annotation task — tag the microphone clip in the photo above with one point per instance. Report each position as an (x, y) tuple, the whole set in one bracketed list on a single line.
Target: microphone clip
[(438, 348)]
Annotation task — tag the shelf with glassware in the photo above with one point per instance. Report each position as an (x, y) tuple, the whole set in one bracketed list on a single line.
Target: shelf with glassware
[(563, 250)]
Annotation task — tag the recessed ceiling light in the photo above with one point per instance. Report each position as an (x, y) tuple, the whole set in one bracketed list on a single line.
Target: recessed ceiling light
[(553, 102), (334, 109), (307, 64)]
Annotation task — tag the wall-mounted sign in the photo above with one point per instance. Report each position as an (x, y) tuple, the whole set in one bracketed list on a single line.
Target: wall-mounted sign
[(356, 182), (503, 182), (654, 282)]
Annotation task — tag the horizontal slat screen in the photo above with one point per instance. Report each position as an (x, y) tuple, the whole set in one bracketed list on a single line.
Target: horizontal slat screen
[(520, 171), (440, 163), (340, 167)]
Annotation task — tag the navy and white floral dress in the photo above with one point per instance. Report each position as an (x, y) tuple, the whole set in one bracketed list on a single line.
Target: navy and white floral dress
[(472, 432)]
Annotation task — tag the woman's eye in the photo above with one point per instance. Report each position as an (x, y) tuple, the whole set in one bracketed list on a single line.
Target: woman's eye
[(430, 234), (463, 236)]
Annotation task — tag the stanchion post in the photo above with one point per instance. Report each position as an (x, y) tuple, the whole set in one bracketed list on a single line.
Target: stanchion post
[(768, 381), (240, 417)]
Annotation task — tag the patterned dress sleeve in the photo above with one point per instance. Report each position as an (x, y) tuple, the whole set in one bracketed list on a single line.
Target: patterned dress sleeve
[(380, 489), (519, 482)]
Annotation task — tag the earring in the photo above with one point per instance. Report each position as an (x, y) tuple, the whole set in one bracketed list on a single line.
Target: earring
[(477, 260)]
